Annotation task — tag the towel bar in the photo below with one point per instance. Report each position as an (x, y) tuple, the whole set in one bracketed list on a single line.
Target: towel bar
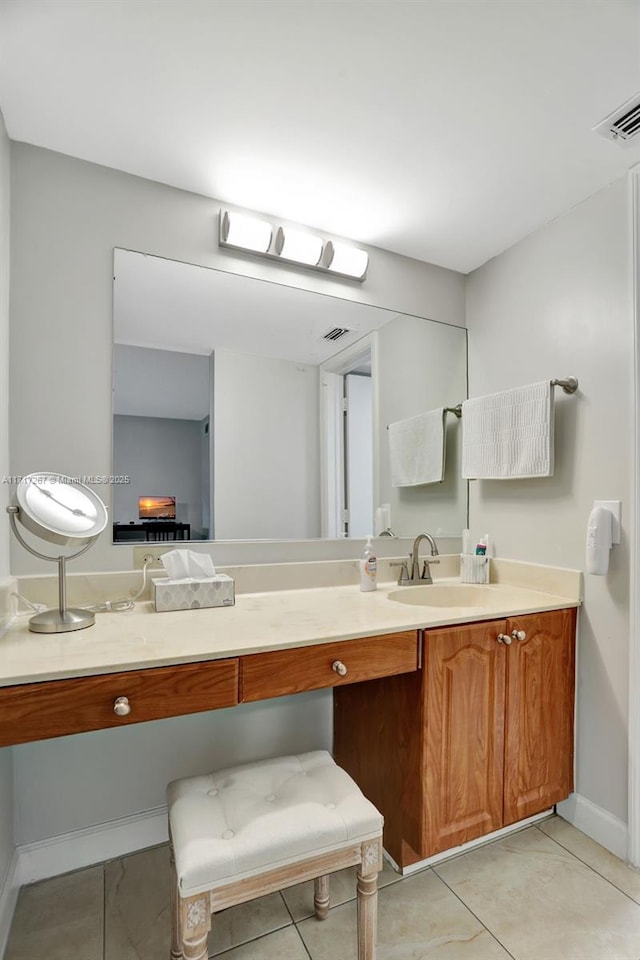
[(569, 384), (456, 411)]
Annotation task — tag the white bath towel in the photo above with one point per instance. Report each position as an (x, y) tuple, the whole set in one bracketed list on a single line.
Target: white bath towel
[(509, 434), (416, 449)]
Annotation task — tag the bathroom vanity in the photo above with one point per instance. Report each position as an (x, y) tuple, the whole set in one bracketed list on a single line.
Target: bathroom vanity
[(454, 720), (479, 738)]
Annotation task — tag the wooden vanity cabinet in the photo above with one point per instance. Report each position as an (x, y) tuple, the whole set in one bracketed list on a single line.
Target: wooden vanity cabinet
[(480, 738), (539, 714), (57, 708), (463, 720), (279, 673)]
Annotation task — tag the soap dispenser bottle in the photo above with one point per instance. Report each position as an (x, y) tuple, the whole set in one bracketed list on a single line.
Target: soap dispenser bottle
[(368, 568)]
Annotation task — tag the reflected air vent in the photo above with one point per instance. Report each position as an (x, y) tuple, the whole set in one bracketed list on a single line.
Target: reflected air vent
[(336, 333), (623, 125)]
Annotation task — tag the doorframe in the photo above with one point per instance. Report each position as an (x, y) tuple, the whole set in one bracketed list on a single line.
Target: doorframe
[(634, 631), (332, 497)]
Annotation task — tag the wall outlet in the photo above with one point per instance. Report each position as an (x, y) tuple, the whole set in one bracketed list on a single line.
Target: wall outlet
[(155, 552)]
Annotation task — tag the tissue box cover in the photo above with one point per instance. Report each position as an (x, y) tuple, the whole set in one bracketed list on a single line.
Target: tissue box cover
[(194, 593)]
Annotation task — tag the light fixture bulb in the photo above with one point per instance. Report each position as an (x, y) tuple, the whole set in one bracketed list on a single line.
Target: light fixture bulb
[(240, 230), (348, 260), (301, 247)]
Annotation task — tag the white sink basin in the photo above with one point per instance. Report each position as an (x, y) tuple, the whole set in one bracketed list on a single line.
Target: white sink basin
[(443, 595)]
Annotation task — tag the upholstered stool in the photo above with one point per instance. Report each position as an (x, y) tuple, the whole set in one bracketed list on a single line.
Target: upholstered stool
[(247, 831)]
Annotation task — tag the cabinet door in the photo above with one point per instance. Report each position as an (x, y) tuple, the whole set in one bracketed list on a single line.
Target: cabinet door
[(539, 713), (464, 745)]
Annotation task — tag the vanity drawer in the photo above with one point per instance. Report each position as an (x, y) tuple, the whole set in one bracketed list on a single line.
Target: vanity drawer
[(55, 708), (282, 672)]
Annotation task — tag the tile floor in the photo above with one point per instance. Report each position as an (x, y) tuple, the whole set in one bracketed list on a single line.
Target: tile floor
[(545, 893)]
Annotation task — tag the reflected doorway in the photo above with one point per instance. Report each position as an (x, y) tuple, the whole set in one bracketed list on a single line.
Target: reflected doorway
[(347, 433)]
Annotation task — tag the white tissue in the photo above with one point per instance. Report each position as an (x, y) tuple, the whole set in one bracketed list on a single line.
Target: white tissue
[(187, 565)]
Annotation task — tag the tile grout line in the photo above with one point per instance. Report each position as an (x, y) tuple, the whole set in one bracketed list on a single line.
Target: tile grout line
[(295, 926), (467, 907), (302, 941), (261, 936), (269, 933), (286, 906), (593, 869)]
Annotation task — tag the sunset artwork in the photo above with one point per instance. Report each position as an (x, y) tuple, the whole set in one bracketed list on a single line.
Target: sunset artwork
[(157, 508)]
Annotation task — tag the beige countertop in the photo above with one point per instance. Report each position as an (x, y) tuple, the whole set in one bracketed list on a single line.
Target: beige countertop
[(258, 622)]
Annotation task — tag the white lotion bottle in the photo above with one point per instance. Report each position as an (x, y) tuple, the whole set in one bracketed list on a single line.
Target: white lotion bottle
[(368, 568)]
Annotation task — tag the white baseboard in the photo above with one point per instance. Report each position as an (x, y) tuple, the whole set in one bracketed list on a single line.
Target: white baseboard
[(71, 851), (603, 827), (469, 845), (8, 899)]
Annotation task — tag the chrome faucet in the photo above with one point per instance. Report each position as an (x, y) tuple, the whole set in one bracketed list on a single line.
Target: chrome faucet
[(410, 570)]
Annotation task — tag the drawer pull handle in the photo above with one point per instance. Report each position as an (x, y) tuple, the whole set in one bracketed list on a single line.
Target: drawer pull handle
[(122, 707), (504, 638), (338, 667), (518, 635)]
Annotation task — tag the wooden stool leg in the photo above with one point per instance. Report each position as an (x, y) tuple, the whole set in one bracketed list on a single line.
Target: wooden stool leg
[(176, 944), (367, 916), (195, 924), (321, 897), (367, 903)]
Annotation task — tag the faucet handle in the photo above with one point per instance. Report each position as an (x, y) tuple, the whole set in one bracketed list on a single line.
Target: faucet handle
[(404, 571), (425, 576)]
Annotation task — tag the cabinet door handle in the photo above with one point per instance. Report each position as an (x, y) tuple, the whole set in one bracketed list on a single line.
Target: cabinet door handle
[(518, 634), (504, 638), (338, 667), (122, 707)]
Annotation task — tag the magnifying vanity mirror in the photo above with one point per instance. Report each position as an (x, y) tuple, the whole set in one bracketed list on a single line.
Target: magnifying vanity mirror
[(63, 511), (248, 410)]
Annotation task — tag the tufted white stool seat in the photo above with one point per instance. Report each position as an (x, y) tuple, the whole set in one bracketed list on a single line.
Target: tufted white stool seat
[(249, 830)]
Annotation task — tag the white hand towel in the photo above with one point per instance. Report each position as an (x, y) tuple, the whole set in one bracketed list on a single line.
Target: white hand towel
[(416, 449), (510, 434)]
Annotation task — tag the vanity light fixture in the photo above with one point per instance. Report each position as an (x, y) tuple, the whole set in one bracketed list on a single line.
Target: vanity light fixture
[(249, 233), (288, 245), (344, 259), (61, 510), (302, 247)]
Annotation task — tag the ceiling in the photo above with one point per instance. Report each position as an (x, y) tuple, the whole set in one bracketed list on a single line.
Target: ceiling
[(444, 131)]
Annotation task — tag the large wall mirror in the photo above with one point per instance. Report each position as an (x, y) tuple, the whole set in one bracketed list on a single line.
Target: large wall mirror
[(248, 410)]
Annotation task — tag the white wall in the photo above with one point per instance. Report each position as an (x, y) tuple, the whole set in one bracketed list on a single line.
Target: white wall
[(6, 765), (266, 448), (163, 458), (558, 304), (67, 216)]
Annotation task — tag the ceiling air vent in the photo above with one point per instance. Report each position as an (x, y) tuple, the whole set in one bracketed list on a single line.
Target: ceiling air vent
[(623, 125), (336, 333)]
